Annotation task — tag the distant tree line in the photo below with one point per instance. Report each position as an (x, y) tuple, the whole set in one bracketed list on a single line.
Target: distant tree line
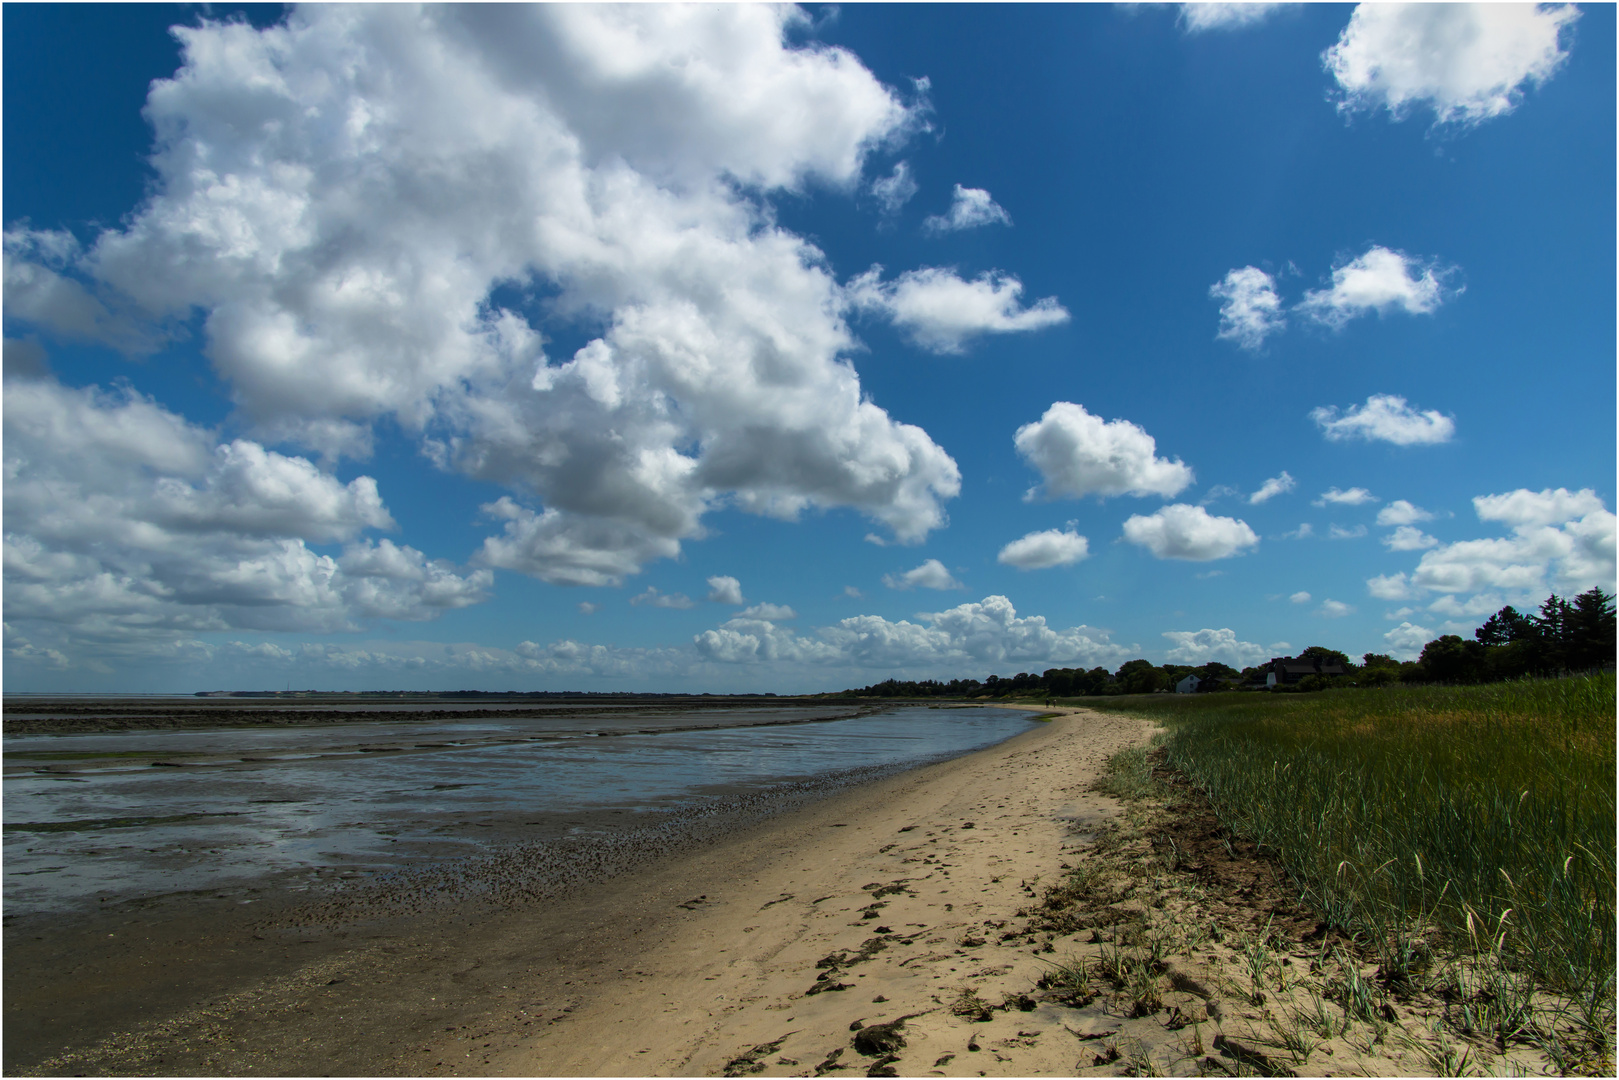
[(1562, 636)]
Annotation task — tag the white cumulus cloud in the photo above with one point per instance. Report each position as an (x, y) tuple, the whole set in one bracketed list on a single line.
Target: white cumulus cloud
[(1334, 609), (1405, 641), (1390, 587), (723, 589), (768, 612), (1047, 548), (1276, 485), (1380, 280), (1300, 597), (1560, 540), (129, 529), (1527, 509), (1409, 538), (1401, 512), (930, 575), (1355, 496), (1196, 18), (1180, 531), (942, 312), (1385, 418), (969, 208), (1198, 647), (984, 633), (1250, 310), (1466, 62), (349, 203), (1078, 454)]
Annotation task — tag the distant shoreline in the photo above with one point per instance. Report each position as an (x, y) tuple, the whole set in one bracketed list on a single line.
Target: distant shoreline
[(63, 715)]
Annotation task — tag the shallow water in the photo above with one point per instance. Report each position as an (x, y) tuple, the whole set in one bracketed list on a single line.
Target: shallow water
[(96, 817)]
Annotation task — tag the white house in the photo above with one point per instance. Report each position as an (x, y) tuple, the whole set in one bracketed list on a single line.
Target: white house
[(1188, 685)]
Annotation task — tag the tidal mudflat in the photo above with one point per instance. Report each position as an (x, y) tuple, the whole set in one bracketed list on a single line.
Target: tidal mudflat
[(156, 867)]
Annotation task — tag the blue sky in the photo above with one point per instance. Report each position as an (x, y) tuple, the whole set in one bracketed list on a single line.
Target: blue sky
[(745, 349)]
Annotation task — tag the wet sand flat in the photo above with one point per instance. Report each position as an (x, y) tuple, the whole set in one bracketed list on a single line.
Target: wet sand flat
[(687, 953)]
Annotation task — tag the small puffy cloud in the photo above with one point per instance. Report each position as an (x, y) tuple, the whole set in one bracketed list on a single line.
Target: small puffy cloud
[(1385, 418), (1039, 550), (940, 311), (769, 612), (1466, 62), (1250, 310), (653, 598), (1334, 609), (725, 590), (1409, 538), (1300, 597), (1338, 532), (1355, 496), (1180, 531), (853, 593), (1401, 512), (1276, 485), (969, 208), (894, 190), (1380, 280), (1078, 454), (1197, 18), (1405, 641), (1198, 647), (587, 608), (1303, 532), (1390, 587), (930, 575)]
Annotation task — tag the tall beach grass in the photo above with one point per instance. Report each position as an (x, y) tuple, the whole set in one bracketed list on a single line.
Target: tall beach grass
[(1425, 820)]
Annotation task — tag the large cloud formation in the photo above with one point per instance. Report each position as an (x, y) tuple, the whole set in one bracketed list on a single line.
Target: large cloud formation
[(389, 213), (985, 635), (1560, 540), (131, 529), (965, 637), (1467, 62)]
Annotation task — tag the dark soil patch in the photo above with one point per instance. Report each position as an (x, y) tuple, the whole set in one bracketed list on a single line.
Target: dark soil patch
[(1246, 883)]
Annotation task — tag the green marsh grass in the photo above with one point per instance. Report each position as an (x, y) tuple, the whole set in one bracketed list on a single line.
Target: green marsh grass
[(1436, 824)]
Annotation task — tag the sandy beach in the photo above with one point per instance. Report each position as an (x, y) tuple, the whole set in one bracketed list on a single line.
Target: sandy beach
[(884, 905), (703, 956), (915, 925)]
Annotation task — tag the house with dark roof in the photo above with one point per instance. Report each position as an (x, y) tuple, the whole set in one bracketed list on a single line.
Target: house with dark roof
[(1288, 671)]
